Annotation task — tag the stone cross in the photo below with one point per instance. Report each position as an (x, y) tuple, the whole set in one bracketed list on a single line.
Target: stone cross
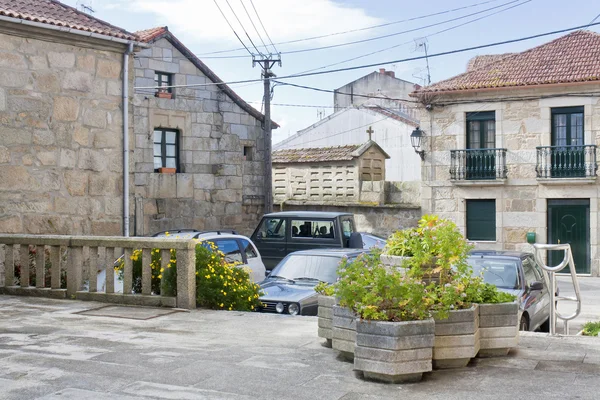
[(370, 131)]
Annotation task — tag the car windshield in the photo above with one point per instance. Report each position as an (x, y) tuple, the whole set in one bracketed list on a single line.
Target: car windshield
[(309, 267), (501, 272)]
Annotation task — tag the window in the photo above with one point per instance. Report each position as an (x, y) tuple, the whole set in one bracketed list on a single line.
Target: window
[(481, 130), (481, 220), (230, 249), (163, 79), (248, 249), (567, 126), (247, 153), (529, 273), (312, 229), (500, 272), (166, 149), (347, 227), (272, 228)]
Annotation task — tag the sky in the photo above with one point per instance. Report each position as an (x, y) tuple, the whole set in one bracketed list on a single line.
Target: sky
[(202, 28)]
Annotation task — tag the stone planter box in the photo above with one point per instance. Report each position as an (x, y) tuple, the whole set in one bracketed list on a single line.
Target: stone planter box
[(456, 339), (498, 328), (394, 352), (343, 331), (325, 314)]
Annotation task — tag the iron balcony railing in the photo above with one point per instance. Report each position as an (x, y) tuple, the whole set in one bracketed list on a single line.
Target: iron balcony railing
[(476, 164), (566, 161)]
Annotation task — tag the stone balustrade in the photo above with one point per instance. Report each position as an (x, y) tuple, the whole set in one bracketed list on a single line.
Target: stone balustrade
[(75, 259)]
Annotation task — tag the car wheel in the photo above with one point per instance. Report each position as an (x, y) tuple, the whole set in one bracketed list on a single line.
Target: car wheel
[(524, 324), (545, 327)]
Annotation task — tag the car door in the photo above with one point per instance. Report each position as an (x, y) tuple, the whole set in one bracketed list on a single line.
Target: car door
[(253, 260), (270, 240), (534, 299), (545, 294)]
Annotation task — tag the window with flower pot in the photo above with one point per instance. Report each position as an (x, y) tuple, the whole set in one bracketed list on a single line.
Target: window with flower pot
[(166, 150), (164, 81), (481, 220)]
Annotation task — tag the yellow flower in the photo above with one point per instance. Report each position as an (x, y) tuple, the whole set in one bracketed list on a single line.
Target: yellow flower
[(160, 277), (221, 304), (166, 233), (162, 270), (207, 276), (224, 293), (229, 308)]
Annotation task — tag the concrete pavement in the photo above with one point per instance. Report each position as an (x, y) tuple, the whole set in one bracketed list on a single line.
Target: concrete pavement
[(590, 304), (62, 349)]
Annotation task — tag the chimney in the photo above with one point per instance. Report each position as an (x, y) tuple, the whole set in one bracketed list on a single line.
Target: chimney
[(382, 70), (390, 73)]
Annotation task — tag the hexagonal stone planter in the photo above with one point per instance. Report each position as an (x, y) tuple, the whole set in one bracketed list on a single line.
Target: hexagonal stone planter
[(498, 328), (394, 352), (343, 331), (456, 339), (325, 314)]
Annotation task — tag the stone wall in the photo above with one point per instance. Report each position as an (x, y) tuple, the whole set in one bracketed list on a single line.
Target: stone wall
[(521, 200), (60, 134), (379, 220), (217, 187)]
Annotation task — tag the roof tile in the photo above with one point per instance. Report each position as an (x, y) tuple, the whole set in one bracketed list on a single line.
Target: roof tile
[(571, 58), (315, 154), (53, 12)]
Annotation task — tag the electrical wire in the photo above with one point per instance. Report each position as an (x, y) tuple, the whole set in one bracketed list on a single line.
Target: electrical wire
[(244, 29), (254, 26), (412, 41), (402, 60), (357, 30), (263, 26), (234, 32), (597, 16), (344, 93)]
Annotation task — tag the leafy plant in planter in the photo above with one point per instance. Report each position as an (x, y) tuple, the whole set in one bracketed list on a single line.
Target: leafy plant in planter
[(395, 332)]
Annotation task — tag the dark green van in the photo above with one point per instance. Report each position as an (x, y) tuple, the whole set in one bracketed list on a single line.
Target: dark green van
[(281, 233)]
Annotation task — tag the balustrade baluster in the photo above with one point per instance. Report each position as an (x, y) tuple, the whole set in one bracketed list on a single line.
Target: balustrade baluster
[(127, 271), (40, 264), (93, 269), (9, 265), (109, 268), (146, 272)]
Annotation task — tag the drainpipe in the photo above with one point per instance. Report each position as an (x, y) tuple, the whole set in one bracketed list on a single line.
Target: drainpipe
[(126, 138)]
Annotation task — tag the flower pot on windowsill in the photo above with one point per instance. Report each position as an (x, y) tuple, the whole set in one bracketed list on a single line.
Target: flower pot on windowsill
[(164, 170), (164, 95)]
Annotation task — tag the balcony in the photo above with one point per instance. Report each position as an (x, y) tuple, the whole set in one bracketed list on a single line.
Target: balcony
[(560, 163), (478, 165)]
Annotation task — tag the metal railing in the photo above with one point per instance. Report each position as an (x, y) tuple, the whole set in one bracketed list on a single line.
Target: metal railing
[(550, 277), (566, 161), (71, 266), (476, 164)]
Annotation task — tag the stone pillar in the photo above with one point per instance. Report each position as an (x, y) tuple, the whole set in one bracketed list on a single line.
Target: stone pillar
[(9, 265), (40, 266), (55, 252), (186, 278), (74, 271)]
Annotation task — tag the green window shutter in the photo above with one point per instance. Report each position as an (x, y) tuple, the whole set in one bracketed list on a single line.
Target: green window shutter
[(481, 219)]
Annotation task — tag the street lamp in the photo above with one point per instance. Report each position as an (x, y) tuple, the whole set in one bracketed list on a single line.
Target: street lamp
[(415, 139)]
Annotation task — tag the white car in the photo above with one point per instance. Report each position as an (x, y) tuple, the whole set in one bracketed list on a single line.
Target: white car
[(235, 247)]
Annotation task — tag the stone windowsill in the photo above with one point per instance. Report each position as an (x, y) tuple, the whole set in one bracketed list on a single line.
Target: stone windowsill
[(481, 182), (567, 181)]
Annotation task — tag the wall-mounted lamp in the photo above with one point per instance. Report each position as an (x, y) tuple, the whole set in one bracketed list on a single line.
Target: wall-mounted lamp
[(415, 139)]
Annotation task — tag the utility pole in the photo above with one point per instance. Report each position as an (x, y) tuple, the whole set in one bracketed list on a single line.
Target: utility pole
[(267, 62)]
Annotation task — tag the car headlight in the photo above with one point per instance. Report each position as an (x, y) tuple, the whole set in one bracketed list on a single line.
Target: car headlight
[(294, 309), (279, 308)]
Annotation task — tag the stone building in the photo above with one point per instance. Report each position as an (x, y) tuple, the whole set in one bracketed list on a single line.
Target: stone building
[(510, 148), (61, 120), (350, 174), (199, 150)]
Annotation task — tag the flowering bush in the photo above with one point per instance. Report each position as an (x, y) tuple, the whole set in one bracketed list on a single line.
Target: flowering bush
[(222, 285), (163, 281), (325, 289)]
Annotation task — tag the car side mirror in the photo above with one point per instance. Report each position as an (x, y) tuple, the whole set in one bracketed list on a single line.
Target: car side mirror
[(537, 285)]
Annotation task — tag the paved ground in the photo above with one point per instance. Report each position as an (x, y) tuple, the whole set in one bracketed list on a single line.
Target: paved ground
[(590, 305), (49, 349)]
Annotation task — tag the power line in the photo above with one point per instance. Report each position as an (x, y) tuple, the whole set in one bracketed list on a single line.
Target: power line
[(254, 26), (244, 29), (234, 32), (597, 16), (359, 29), (346, 94), (411, 41), (261, 24), (356, 67)]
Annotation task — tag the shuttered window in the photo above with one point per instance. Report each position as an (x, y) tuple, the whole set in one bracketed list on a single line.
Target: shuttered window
[(481, 220)]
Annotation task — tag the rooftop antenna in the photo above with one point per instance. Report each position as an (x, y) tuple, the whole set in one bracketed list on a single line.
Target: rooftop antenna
[(85, 6), (421, 44)]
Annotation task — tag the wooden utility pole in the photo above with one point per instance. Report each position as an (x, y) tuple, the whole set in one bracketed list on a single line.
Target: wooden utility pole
[(267, 63)]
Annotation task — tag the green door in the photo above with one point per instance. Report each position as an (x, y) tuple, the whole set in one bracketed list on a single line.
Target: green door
[(569, 222)]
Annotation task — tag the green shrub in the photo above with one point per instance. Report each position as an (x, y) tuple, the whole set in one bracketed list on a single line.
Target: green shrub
[(325, 289), (489, 294), (591, 328), (221, 285)]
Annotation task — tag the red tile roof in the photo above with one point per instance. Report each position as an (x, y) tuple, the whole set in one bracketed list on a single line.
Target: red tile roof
[(154, 34), (324, 154), (485, 59), (53, 12), (571, 58)]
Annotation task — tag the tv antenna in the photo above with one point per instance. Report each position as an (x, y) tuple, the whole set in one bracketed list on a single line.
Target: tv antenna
[(85, 6), (421, 44)]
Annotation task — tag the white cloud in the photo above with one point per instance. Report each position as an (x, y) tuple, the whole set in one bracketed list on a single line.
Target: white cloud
[(283, 19)]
